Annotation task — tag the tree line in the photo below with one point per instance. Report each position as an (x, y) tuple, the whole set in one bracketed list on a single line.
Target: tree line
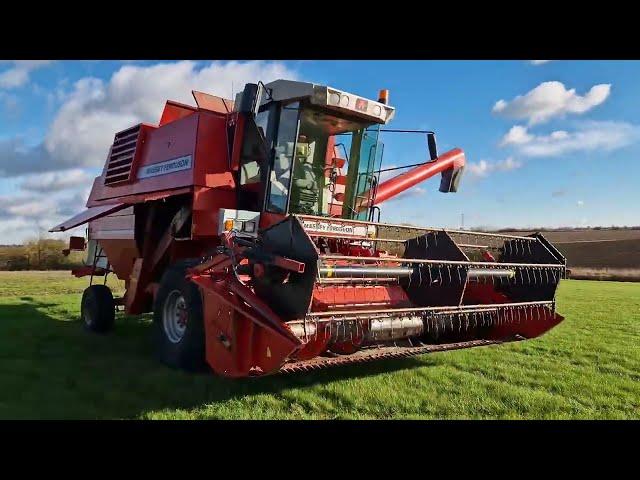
[(39, 254)]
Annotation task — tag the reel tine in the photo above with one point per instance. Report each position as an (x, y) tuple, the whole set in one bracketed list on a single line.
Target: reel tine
[(351, 330)]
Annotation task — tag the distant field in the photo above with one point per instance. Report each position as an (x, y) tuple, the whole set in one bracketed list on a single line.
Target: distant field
[(587, 367), (598, 254), (614, 274), (563, 236)]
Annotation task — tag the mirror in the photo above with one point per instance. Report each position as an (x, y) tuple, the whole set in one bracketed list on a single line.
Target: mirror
[(431, 142)]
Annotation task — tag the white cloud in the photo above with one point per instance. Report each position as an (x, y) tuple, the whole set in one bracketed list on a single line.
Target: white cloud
[(484, 167), (589, 136), (411, 192), (30, 209), (94, 110), (580, 203), (19, 73), (91, 112), (517, 135), (25, 215), (551, 99), (55, 181), (539, 62)]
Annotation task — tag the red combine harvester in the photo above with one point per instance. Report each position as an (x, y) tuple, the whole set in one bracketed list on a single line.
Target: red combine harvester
[(251, 230)]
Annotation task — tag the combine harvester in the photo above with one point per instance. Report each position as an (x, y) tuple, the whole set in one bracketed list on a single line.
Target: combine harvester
[(251, 230)]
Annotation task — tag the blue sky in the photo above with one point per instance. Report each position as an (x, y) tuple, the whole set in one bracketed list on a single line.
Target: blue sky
[(548, 144)]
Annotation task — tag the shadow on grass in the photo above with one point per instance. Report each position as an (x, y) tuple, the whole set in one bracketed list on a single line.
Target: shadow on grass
[(51, 368)]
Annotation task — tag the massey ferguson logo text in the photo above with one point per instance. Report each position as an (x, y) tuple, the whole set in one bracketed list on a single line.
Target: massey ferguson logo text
[(170, 166), (329, 227)]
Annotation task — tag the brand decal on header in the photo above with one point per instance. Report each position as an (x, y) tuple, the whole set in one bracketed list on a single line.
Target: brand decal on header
[(331, 227), (163, 168)]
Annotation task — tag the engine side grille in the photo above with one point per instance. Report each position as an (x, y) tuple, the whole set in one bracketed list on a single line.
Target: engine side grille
[(122, 155)]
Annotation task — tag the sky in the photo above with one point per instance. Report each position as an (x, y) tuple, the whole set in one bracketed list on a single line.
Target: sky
[(548, 143)]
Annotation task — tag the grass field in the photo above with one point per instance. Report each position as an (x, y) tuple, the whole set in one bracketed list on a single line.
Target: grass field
[(587, 367)]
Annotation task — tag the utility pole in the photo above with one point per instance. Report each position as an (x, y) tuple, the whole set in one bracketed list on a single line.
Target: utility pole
[(462, 221)]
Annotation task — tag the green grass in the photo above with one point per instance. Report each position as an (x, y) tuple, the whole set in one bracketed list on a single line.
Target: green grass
[(587, 367)]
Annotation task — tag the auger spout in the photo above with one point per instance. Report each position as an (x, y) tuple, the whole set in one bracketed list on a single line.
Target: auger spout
[(449, 164)]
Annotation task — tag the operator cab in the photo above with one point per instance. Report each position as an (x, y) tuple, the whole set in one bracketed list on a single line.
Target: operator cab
[(308, 149)]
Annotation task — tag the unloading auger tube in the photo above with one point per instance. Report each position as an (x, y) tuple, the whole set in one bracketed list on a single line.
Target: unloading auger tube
[(246, 228)]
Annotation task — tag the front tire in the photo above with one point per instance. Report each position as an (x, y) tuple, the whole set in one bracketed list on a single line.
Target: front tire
[(98, 310), (178, 321)]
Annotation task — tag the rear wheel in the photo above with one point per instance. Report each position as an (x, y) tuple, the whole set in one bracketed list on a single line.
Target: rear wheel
[(178, 320), (97, 309)]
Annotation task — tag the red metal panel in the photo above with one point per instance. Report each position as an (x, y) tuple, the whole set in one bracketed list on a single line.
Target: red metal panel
[(212, 153), (337, 296), (267, 219), (174, 111), (242, 339), (212, 103), (168, 142), (206, 204)]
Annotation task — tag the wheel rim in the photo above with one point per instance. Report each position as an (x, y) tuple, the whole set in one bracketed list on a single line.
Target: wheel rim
[(174, 316)]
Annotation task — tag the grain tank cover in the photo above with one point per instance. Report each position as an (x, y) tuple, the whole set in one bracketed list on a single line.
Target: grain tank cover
[(329, 98)]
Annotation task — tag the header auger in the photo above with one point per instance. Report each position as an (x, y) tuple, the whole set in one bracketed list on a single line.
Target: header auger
[(250, 228)]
